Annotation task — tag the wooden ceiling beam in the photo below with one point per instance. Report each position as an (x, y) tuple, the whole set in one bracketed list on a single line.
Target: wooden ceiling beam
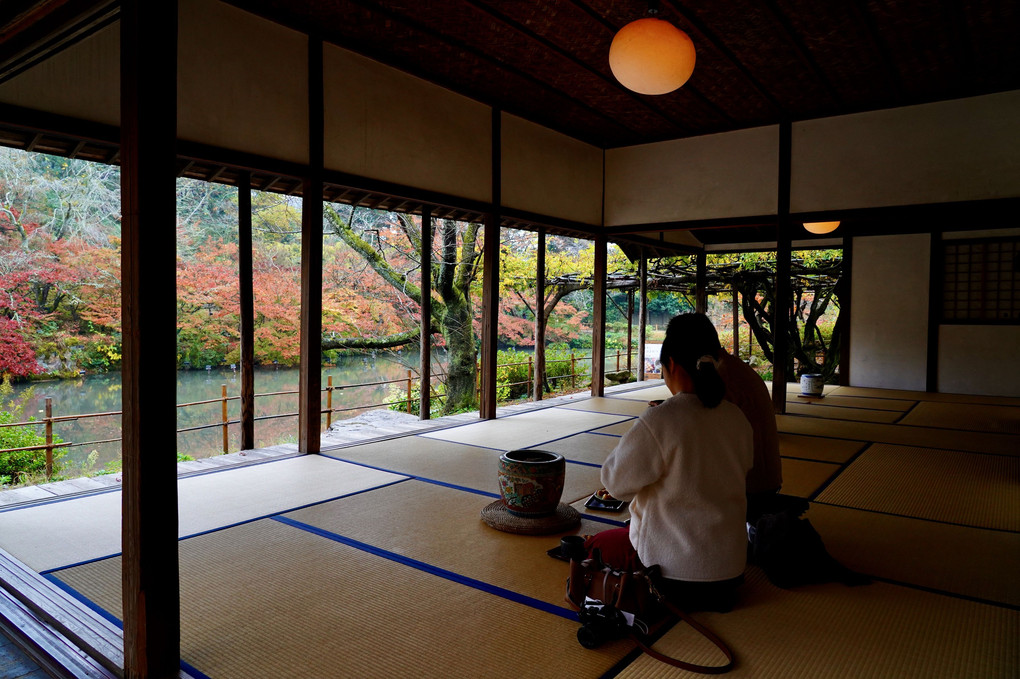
[(711, 37), (643, 101), (496, 64)]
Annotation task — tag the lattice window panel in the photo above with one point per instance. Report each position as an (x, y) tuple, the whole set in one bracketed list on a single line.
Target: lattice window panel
[(981, 281)]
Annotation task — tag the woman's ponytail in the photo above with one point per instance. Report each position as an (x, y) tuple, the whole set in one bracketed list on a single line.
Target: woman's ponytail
[(708, 385), (693, 344)]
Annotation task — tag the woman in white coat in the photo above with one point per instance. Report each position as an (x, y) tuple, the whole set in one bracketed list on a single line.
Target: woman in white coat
[(683, 468)]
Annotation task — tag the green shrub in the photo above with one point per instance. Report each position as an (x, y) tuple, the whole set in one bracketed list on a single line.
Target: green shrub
[(558, 368), (18, 465)]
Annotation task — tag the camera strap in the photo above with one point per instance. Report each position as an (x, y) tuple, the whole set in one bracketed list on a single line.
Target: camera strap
[(701, 629), (591, 580)]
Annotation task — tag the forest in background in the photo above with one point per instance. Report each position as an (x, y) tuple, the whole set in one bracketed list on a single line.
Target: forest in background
[(60, 278), (60, 309)]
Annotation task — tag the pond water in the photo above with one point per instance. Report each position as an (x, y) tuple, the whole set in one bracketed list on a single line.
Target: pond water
[(102, 394)]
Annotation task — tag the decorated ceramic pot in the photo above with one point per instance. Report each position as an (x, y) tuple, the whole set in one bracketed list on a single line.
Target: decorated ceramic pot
[(531, 481), (811, 385)]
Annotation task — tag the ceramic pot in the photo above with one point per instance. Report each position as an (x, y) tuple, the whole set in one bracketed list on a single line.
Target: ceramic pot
[(531, 481), (811, 385)]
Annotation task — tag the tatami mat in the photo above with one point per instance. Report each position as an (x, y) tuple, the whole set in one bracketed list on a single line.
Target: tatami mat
[(271, 600), (613, 406), (834, 412), (959, 559), (527, 429), (939, 485), (652, 393), (818, 448), (456, 464), (444, 461), (618, 429), (870, 392), (853, 402), (1002, 419), (979, 442), (588, 448), (88, 527), (803, 478), (835, 632), (442, 527)]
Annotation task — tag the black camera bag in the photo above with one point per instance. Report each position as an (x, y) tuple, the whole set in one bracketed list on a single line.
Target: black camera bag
[(634, 592)]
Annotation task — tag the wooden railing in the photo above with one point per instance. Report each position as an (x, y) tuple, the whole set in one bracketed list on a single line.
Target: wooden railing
[(573, 374), (225, 421), (50, 419)]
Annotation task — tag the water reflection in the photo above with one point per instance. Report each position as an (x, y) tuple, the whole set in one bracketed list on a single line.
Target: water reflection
[(102, 394)]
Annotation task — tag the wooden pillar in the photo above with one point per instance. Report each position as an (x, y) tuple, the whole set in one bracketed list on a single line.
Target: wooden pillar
[(310, 380), (490, 279), (150, 572), (935, 295), (701, 283), (783, 294), (736, 322), (245, 275), (630, 328), (642, 314), (425, 373), (845, 306), (539, 380), (598, 331)]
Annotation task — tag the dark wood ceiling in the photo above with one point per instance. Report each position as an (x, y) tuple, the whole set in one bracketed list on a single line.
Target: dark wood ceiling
[(758, 61)]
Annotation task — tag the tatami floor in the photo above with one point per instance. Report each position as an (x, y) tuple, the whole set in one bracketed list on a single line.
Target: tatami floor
[(371, 559)]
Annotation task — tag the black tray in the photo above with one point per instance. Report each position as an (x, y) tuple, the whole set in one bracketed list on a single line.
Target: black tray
[(611, 506)]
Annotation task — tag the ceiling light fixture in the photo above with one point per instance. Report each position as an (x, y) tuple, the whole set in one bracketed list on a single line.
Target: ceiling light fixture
[(821, 227), (651, 56)]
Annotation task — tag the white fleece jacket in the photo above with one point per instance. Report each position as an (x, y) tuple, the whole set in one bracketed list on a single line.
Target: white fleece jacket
[(683, 467)]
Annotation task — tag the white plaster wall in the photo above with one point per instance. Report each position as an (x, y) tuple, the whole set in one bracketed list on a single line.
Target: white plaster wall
[(243, 82), (979, 359), (733, 174), (548, 173), (385, 124), (889, 312), (965, 149), (82, 81)]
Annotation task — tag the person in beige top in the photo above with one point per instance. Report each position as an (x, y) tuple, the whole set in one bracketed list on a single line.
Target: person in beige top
[(746, 389), (683, 467)]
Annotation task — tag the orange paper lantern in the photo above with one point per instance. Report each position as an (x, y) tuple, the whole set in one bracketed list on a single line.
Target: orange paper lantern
[(821, 227), (651, 56)]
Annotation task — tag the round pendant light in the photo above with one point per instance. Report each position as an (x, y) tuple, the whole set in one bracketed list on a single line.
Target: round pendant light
[(821, 227), (651, 56)]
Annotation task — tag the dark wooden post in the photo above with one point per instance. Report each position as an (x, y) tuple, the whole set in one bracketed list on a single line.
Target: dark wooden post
[(630, 329), (150, 572), (845, 302), (642, 314), (598, 331), (49, 437), (935, 269), (783, 294), (736, 322), (490, 278), (539, 384), (701, 283), (310, 380), (425, 371), (245, 278)]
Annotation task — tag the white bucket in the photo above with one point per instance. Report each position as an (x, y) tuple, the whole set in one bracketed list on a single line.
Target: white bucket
[(811, 385)]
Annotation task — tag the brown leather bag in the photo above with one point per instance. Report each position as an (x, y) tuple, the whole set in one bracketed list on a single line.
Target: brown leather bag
[(634, 592)]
